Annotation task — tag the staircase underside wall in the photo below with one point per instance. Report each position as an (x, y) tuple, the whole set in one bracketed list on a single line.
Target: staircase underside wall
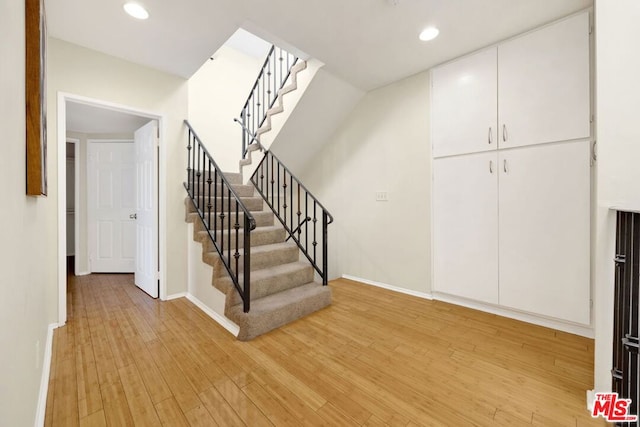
[(199, 286)]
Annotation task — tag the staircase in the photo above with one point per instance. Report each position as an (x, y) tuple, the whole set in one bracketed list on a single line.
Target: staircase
[(249, 233)]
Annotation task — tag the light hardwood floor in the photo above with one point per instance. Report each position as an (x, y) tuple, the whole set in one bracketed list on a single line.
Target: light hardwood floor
[(373, 358)]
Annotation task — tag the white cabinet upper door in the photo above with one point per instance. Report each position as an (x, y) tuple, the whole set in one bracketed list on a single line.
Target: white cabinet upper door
[(465, 226), (464, 105), (544, 240), (543, 85)]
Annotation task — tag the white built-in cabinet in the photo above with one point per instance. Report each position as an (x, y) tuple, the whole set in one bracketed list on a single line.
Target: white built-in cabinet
[(511, 173)]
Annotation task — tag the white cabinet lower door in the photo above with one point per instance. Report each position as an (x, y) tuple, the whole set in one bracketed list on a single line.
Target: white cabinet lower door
[(466, 226), (544, 226)]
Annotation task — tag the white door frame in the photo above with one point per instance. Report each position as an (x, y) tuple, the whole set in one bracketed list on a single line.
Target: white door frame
[(63, 97), (76, 202)]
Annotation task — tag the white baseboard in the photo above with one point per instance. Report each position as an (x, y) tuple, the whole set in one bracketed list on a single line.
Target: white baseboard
[(176, 296), (44, 379), (389, 287), (223, 321), (83, 273), (572, 328)]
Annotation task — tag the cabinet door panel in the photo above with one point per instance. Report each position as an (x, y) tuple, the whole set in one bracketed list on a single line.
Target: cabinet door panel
[(543, 85), (464, 105), (466, 226), (544, 243)]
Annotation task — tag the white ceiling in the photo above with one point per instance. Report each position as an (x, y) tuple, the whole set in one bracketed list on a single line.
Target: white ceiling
[(368, 43), (85, 118)]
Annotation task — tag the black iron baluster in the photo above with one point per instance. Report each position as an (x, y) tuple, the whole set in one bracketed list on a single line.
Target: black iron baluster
[(265, 103), (209, 180), (325, 255), (279, 188), (189, 183), (273, 181), (299, 213), (273, 79), (236, 226), (244, 133), (229, 225), (284, 191), (306, 224), (222, 216), (315, 221), (247, 265), (215, 204), (198, 180), (261, 176), (281, 64), (202, 183)]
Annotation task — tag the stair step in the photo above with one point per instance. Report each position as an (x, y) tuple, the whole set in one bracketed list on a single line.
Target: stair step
[(263, 256), (254, 203), (262, 218), (259, 236), (268, 281), (278, 309), (232, 177), (242, 190)]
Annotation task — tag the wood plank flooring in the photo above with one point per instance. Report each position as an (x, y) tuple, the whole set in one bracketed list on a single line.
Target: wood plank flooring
[(373, 358)]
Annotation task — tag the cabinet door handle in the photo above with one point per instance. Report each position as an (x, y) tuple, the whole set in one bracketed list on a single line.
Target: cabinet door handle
[(504, 166), (490, 136), (504, 133), (490, 166)]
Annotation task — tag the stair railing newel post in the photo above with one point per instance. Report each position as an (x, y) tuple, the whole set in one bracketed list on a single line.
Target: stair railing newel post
[(325, 250), (247, 264)]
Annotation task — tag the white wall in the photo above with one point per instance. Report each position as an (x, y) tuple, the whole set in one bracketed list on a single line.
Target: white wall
[(618, 137), (217, 93), (28, 233), (200, 285), (326, 102), (80, 71), (383, 145)]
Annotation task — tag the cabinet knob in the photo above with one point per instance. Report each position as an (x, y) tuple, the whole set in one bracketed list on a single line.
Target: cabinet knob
[(490, 136), (504, 133), (490, 166), (504, 166)]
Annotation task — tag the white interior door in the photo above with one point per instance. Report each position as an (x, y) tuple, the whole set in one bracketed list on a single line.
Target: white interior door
[(465, 226), (111, 187), (545, 230), (146, 160)]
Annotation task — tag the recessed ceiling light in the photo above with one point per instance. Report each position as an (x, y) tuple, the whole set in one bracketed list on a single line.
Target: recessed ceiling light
[(136, 10), (429, 33)]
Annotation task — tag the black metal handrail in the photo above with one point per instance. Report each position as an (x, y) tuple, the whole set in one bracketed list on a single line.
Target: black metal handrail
[(276, 185), (218, 205), (273, 75)]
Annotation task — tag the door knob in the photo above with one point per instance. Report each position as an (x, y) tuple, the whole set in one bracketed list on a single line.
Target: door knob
[(133, 216)]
